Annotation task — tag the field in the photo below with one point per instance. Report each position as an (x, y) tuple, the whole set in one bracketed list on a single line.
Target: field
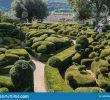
[(77, 59)]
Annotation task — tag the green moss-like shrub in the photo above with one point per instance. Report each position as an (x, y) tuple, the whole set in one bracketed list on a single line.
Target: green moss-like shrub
[(50, 46), (3, 50), (83, 41), (93, 55), (105, 53), (22, 76), (54, 81), (42, 49), (76, 58), (8, 59), (104, 82), (82, 67), (5, 70), (36, 44), (86, 62), (78, 47), (4, 89), (65, 57), (6, 82), (75, 78), (89, 89), (19, 52), (54, 62), (97, 65)]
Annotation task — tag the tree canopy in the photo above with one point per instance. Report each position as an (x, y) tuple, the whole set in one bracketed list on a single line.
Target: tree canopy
[(82, 9), (29, 9), (91, 8)]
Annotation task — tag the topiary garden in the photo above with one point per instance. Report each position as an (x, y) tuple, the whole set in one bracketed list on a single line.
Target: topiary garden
[(77, 58)]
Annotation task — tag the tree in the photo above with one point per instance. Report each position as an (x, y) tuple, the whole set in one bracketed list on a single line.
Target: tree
[(99, 6), (30, 9), (82, 9), (91, 8)]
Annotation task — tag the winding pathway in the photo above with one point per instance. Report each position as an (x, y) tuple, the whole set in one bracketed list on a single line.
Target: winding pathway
[(39, 80)]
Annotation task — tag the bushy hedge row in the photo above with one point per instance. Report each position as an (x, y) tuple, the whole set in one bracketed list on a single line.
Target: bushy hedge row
[(54, 80), (8, 29)]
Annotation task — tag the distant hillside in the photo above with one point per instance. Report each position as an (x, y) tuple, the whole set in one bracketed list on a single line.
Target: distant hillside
[(58, 6)]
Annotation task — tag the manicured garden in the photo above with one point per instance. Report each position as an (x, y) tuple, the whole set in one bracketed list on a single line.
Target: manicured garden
[(77, 58)]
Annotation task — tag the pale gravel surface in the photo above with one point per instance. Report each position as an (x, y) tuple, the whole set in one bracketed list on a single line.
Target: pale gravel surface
[(39, 80)]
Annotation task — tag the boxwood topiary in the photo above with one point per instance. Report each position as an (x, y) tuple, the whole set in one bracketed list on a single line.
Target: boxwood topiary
[(104, 82), (105, 53), (89, 89), (78, 47), (22, 76), (75, 78), (42, 49), (54, 62), (4, 89), (86, 62), (83, 41), (93, 55), (76, 58)]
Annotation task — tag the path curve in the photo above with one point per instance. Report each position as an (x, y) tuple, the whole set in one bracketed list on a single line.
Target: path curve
[(39, 80)]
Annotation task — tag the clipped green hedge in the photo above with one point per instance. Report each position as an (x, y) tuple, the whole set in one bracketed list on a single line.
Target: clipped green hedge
[(89, 89), (96, 66), (76, 78), (54, 81), (20, 53), (5, 70), (104, 82), (65, 57), (6, 82), (4, 89), (53, 78)]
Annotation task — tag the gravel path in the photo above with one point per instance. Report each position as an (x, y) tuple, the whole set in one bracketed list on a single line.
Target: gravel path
[(39, 80)]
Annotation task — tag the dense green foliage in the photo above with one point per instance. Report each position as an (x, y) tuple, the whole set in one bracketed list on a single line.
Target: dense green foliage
[(28, 9), (22, 76)]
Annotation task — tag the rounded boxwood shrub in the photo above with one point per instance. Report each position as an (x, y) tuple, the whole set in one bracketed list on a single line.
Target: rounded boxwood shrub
[(42, 49), (36, 44), (60, 31), (93, 55), (89, 89), (96, 66), (19, 52), (105, 53), (65, 32), (104, 70), (3, 50), (86, 62), (83, 41), (4, 89), (76, 58), (108, 59), (104, 82), (75, 78), (54, 62), (78, 47), (50, 46), (88, 51), (22, 76), (82, 67)]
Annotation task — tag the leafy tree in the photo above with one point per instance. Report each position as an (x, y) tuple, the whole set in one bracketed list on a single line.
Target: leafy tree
[(99, 7), (91, 8), (82, 9), (30, 9)]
